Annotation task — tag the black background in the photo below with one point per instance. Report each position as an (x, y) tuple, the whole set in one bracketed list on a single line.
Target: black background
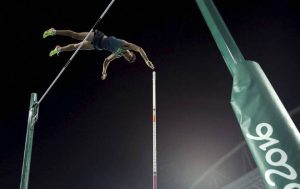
[(98, 134)]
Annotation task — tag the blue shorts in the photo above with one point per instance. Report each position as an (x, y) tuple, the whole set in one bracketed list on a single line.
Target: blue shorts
[(97, 41), (110, 43)]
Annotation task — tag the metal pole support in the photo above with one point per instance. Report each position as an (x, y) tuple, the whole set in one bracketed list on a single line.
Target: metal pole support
[(32, 119)]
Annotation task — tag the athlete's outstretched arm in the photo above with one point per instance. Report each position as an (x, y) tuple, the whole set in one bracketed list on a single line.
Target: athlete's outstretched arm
[(106, 63), (134, 47)]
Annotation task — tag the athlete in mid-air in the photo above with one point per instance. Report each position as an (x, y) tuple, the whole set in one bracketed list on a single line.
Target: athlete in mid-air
[(97, 40)]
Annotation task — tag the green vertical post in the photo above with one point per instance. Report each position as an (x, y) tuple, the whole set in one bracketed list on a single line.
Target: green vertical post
[(225, 42), (32, 119), (272, 137)]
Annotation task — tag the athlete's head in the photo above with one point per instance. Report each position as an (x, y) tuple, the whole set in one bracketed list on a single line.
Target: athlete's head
[(129, 56)]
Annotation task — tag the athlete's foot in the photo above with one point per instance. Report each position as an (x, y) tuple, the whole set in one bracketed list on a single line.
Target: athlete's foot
[(104, 75), (55, 51), (49, 32)]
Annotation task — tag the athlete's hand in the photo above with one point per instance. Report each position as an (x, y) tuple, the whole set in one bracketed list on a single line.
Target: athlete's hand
[(104, 75), (150, 65)]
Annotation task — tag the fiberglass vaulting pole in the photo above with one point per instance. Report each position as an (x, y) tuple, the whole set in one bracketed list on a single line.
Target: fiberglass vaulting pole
[(154, 132), (33, 112)]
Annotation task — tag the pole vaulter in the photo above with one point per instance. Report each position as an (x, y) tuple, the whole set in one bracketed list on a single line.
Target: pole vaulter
[(34, 107)]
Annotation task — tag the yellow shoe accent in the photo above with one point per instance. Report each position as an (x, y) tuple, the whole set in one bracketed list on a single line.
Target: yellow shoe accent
[(49, 32), (55, 51)]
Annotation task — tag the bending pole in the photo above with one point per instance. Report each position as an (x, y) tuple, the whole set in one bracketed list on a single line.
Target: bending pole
[(154, 132), (70, 60)]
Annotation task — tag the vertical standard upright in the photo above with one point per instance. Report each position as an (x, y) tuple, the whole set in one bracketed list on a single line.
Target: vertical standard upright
[(32, 119), (269, 131), (154, 132)]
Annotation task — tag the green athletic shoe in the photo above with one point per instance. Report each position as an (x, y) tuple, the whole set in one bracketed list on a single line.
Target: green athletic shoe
[(55, 51), (49, 32)]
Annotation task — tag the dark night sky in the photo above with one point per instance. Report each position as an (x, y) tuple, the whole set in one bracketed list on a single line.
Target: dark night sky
[(98, 134)]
